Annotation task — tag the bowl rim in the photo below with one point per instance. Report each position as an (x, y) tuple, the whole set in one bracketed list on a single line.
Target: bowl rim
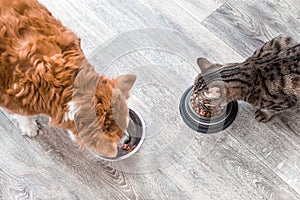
[(138, 146), (202, 125), (205, 120)]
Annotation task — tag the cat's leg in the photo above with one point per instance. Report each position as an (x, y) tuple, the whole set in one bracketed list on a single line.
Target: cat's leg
[(26, 124), (263, 115)]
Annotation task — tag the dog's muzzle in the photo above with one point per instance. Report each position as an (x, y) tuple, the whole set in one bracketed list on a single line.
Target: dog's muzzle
[(125, 139)]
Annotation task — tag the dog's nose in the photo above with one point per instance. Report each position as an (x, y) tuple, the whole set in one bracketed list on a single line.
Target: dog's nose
[(127, 138)]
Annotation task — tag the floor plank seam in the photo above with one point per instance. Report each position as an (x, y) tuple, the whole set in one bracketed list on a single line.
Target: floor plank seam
[(201, 22), (195, 18), (229, 45)]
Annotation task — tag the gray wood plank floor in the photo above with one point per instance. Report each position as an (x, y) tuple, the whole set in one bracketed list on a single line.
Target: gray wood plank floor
[(160, 41)]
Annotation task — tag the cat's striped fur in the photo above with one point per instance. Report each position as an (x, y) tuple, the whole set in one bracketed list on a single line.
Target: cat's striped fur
[(269, 79)]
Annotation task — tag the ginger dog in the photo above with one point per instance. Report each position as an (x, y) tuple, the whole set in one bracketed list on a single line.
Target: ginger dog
[(43, 71)]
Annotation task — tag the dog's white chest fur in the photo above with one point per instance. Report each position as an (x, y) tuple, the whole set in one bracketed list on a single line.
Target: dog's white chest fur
[(73, 109)]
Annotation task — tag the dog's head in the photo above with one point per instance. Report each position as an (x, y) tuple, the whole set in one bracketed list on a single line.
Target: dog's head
[(112, 115)]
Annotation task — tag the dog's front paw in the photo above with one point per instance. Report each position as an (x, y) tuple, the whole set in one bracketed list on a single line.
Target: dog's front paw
[(263, 116), (27, 125), (29, 129)]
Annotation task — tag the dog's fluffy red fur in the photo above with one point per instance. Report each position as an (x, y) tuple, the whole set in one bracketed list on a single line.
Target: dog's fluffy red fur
[(43, 69)]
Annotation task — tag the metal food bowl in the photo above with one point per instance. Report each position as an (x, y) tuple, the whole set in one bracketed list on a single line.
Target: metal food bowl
[(204, 124), (136, 130)]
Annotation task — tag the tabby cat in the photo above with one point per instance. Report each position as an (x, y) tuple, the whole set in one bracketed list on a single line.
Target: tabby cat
[(269, 79)]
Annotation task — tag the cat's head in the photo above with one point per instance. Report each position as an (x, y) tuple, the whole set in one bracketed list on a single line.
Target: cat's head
[(208, 86), (105, 133)]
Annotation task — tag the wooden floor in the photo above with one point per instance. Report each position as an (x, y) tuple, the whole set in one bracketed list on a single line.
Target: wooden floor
[(159, 40)]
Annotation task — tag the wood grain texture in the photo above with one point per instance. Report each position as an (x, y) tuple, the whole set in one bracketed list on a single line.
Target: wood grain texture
[(229, 171), (83, 22), (246, 25), (51, 166), (163, 26), (275, 143), (159, 41), (199, 9)]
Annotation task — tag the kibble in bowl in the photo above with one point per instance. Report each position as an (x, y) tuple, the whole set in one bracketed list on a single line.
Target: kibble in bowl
[(203, 110), (206, 119)]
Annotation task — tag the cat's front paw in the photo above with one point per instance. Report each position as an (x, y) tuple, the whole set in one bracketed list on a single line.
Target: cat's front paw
[(263, 116)]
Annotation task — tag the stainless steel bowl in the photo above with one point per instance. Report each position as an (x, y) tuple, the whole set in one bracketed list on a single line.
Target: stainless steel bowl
[(204, 124), (136, 130)]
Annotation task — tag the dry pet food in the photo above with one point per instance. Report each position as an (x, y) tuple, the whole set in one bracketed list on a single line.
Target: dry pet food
[(202, 110)]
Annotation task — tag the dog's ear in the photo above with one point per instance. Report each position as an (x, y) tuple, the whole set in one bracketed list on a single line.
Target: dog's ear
[(125, 83)]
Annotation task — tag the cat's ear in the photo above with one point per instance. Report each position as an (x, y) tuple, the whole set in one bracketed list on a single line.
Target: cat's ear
[(205, 65), (125, 83)]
